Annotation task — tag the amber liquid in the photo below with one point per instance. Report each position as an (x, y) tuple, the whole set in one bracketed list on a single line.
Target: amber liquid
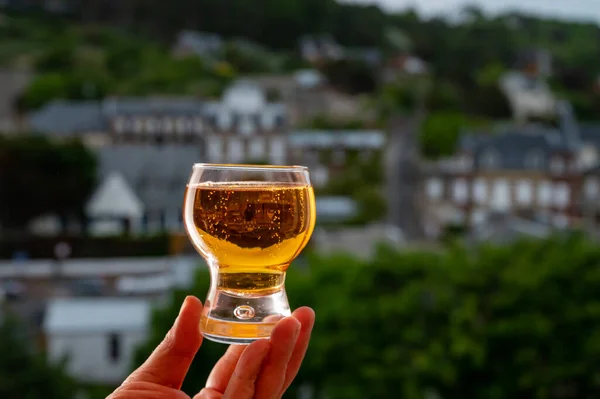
[(252, 231)]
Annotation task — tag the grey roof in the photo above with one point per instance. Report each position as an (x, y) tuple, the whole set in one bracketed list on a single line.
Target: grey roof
[(514, 147), (63, 117), (158, 174), (151, 105), (590, 133), (361, 139)]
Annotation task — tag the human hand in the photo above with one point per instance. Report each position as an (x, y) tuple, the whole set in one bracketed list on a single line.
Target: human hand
[(262, 370)]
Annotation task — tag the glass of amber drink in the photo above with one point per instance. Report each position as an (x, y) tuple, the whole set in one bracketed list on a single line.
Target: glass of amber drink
[(249, 222)]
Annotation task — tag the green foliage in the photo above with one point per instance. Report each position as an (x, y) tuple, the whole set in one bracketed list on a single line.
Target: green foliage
[(40, 177), (441, 130), (26, 374), (361, 180), (519, 321)]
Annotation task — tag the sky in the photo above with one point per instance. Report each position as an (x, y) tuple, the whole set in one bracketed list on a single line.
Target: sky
[(588, 10)]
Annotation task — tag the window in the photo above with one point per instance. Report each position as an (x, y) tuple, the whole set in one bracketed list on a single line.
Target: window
[(460, 191), (534, 159), (562, 195), (480, 191), (524, 192), (278, 154), (114, 347), (152, 126), (120, 125), (224, 120), (435, 188), (544, 195), (138, 125), (592, 188), (501, 195), (490, 159), (180, 125), (257, 148), (215, 149), (236, 150), (167, 125), (198, 125)]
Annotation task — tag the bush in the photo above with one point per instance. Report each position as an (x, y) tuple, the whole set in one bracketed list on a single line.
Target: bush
[(519, 321)]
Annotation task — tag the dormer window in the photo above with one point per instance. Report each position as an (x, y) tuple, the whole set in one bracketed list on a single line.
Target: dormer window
[(224, 120), (120, 125), (168, 125), (490, 159), (152, 126), (180, 125), (557, 165), (138, 125), (534, 159), (198, 125)]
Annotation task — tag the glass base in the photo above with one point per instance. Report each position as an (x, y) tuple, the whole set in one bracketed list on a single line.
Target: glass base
[(231, 318)]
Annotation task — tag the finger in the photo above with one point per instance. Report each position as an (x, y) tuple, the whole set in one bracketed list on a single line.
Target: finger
[(272, 375), (208, 393), (170, 361), (241, 385), (306, 317), (223, 370), (145, 390)]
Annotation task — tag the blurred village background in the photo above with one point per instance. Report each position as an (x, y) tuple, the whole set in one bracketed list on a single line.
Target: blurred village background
[(455, 160)]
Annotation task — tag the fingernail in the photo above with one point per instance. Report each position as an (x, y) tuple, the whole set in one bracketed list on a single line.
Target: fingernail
[(183, 306), (297, 328)]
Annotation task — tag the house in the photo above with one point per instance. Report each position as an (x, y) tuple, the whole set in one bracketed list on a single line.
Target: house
[(325, 152), (321, 48), (205, 45), (529, 96), (402, 65), (522, 169), (146, 179), (245, 126), (13, 84), (590, 197), (97, 336), (114, 207), (154, 119), (306, 95), (122, 120)]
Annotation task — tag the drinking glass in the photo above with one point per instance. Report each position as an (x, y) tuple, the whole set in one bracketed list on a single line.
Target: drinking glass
[(249, 222)]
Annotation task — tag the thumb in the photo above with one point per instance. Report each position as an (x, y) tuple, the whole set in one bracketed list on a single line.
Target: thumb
[(170, 361)]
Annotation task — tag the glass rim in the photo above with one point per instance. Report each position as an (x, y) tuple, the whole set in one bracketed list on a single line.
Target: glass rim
[(250, 167)]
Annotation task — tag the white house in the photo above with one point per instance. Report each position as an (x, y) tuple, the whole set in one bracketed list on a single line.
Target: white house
[(246, 126), (98, 336), (528, 96), (113, 207)]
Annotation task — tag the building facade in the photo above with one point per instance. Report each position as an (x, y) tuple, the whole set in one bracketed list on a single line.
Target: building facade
[(535, 171)]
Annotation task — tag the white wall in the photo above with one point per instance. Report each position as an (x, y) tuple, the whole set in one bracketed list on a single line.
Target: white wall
[(89, 355)]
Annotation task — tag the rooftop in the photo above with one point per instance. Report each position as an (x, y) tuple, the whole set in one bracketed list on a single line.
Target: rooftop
[(79, 315)]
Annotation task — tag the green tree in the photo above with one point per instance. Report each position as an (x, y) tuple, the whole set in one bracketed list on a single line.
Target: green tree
[(515, 321), (27, 374), (41, 177), (441, 131)]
